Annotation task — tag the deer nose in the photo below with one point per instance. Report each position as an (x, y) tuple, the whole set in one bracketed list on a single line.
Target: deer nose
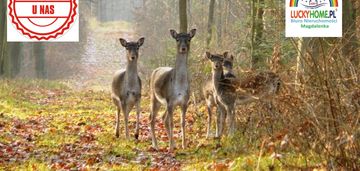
[(183, 49), (132, 58)]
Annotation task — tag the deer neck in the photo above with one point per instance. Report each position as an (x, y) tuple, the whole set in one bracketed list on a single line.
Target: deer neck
[(131, 74), (217, 75), (181, 73)]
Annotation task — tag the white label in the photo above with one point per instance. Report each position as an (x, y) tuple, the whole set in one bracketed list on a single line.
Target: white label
[(47, 20), (313, 18)]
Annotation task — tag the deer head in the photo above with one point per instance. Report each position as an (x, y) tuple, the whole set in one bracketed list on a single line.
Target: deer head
[(132, 48), (183, 40), (228, 62), (217, 60)]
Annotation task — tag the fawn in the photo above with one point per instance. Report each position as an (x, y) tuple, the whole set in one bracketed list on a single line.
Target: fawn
[(224, 93), (208, 89), (126, 86), (261, 86), (170, 87)]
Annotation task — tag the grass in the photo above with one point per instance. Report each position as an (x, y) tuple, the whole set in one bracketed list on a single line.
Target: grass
[(47, 125)]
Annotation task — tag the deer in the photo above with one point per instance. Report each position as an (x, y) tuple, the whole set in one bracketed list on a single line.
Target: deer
[(262, 86), (208, 89), (223, 92), (228, 66), (126, 87), (170, 87)]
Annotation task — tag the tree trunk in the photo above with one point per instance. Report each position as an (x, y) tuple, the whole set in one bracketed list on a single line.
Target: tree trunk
[(258, 32), (98, 10), (10, 53), (14, 56), (220, 24), (183, 16), (39, 56), (253, 20), (189, 18), (357, 23), (102, 10), (227, 15), (210, 23), (302, 44), (350, 50), (3, 41)]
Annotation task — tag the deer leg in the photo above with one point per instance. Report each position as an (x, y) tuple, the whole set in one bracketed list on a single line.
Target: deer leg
[(231, 117), (126, 120), (155, 106), (209, 120), (117, 128), (137, 119), (223, 120), (273, 114), (168, 125), (183, 122), (219, 120), (164, 116), (172, 142), (228, 113)]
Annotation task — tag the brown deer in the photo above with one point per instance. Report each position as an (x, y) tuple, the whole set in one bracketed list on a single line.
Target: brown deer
[(224, 93), (261, 86), (170, 87), (126, 87), (228, 66), (208, 90)]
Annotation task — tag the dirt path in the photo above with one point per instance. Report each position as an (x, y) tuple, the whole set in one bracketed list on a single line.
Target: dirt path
[(103, 56)]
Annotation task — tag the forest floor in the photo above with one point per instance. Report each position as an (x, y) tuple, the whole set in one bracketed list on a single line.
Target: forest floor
[(47, 125), (51, 125)]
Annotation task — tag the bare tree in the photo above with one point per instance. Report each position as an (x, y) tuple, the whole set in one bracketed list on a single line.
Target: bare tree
[(257, 31), (220, 23), (210, 23), (3, 43), (10, 53), (350, 41), (183, 16), (39, 57)]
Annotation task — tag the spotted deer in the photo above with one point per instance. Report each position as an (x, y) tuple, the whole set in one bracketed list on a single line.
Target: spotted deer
[(170, 87), (208, 90), (261, 86), (126, 87)]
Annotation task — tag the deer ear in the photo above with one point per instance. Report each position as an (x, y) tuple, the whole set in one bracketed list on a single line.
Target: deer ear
[(232, 57), (173, 33), (208, 55), (123, 42), (192, 33), (226, 54), (141, 41)]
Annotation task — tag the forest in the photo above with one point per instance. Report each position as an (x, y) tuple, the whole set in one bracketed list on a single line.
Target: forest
[(240, 94)]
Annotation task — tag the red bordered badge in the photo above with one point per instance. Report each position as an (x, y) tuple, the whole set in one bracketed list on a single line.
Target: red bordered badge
[(42, 19)]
